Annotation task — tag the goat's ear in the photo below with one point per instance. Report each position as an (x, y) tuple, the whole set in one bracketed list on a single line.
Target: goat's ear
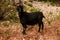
[(18, 8), (17, 4)]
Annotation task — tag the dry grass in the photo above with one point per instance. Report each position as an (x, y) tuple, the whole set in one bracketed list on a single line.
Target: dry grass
[(13, 31)]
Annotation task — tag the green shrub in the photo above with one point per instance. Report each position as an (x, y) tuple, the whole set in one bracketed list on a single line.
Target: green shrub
[(7, 32), (58, 17), (49, 21), (30, 5), (52, 1), (44, 0), (34, 9), (25, 2), (31, 0), (50, 13)]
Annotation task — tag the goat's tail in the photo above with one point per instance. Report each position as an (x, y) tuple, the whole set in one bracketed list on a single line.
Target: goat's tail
[(41, 13), (43, 16)]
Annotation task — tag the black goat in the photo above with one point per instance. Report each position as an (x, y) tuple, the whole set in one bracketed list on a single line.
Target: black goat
[(30, 18)]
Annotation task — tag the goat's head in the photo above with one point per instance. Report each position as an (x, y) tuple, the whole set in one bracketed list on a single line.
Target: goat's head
[(19, 7)]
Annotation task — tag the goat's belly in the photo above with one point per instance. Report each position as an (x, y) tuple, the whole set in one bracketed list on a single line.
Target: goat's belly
[(32, 22)]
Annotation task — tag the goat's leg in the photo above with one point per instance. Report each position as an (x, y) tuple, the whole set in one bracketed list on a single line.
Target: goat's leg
[(42, 26), (39, 27), (24, 29)]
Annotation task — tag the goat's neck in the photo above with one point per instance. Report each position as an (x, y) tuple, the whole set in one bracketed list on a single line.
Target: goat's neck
[(22, 11)]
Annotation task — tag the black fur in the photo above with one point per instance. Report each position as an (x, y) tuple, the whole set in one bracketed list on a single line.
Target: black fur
[(30, 18)]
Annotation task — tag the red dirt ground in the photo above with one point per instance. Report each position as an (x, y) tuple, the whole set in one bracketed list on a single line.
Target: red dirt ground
[(14, 32)]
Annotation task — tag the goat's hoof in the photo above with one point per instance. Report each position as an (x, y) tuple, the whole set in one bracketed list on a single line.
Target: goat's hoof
[(39, 31), (24, 33)]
